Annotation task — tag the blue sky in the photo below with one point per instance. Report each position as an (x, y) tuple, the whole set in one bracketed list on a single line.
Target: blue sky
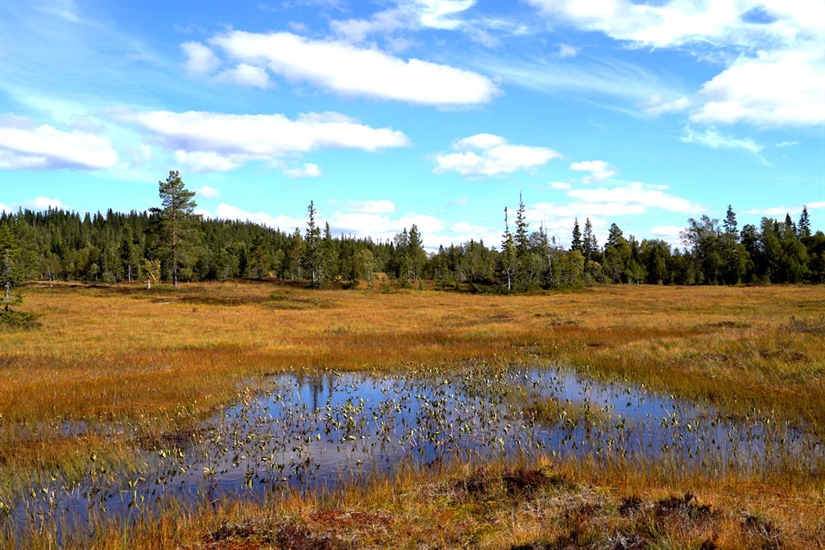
[(430, 112)]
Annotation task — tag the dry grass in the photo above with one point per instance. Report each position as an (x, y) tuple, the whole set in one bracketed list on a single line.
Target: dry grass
[(148, 363)]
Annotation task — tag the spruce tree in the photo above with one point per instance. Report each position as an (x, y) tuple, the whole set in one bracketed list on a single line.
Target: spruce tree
[(312, 243), (804, 227), (576, 243)]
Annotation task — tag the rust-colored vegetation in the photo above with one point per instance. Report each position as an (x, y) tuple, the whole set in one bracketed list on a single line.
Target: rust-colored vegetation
[(111, 366)]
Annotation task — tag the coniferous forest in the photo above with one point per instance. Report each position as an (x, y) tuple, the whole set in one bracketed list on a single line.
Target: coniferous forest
[(114, 247)]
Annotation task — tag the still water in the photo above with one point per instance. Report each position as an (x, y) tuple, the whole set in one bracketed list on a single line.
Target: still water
[(316, 431)]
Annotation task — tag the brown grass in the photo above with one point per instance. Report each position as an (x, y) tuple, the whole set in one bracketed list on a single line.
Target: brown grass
[(149, 363)]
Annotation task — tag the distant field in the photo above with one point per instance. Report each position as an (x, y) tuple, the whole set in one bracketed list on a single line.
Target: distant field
[(159, 360)]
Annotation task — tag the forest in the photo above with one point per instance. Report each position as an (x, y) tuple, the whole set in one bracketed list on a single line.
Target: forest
[(114, 247)]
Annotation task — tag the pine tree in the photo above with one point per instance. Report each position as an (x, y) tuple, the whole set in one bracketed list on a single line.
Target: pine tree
[(177, 219)]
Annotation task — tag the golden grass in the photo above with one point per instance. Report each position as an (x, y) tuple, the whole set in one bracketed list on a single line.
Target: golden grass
[(154, 362)]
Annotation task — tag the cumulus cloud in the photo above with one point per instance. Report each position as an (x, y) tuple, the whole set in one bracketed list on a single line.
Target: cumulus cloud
[(491, 155), (200, 60), (246, 75), (208, 192), (777, 76), (36, 204), (716, 140), (25, 145), (634, 198), (676, 23), (208, 142), (308, 170), (599, 170), (776, 88), (349, 70)]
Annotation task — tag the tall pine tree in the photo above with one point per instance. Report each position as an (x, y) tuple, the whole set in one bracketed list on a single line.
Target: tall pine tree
[(179, 234)]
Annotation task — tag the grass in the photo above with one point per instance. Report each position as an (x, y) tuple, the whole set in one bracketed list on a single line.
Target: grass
[(113, 365)]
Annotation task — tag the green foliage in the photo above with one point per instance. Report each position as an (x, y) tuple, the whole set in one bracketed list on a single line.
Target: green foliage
[(179, 236), (18, 320)]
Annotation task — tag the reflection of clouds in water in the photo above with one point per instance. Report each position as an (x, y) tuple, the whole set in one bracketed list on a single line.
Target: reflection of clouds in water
[(315, 431)]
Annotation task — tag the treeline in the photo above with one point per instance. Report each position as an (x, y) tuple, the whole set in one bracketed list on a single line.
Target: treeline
[(113, 247)]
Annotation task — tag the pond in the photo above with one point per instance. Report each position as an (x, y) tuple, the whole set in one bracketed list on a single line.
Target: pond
[(316, 431)]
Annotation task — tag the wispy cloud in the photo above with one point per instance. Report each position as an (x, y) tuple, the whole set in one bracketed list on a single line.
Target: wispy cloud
[(716, 140)]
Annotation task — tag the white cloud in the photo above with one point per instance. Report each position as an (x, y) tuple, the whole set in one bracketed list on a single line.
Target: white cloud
[(712, 138), (776, 88), (495, 157), (479, 142), (560, 185), (309, 170), (680, 22), (371, 207), (777, 76), (588, 76), (786, 144), (437, 14), (27, 146), (208, 192), (566, 50), (656, 105), (200, 60), (782, 210), (209, 161), (349, 70), (246, 75), (36, 204), (634, 198), (383, 22), (219, 142), (671, 234), (599, 170), (44, 203)]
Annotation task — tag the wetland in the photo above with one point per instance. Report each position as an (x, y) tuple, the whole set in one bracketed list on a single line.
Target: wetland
[(680, 416)]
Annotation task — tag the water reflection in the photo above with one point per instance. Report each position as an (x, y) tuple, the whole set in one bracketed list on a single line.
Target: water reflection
[(314, 431)]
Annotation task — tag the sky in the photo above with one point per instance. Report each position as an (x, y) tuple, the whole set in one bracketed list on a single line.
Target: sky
[(438, 113)]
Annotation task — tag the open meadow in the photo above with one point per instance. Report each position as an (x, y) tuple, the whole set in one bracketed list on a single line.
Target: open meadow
[(117, 376)]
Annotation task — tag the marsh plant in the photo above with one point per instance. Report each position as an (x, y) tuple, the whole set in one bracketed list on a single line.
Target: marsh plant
[(314, 431)]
